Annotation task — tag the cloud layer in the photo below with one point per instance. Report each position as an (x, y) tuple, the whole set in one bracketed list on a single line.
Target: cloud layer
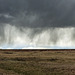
[(38, 13), (37, 22), (38, 37)]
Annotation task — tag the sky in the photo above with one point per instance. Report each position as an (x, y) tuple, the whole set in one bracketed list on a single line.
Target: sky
[(37, 24)]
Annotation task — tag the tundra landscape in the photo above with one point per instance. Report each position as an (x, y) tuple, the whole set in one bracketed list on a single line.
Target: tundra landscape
[(30, 31), (37, 62)]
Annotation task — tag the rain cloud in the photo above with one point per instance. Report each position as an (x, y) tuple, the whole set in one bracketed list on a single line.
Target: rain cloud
[(37, 22)]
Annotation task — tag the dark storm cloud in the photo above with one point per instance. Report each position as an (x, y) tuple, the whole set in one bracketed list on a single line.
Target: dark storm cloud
[(37, 22), (45, 13)]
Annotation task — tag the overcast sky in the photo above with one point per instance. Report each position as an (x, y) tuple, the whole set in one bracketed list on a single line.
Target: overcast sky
[(44, 13), (36, 18)]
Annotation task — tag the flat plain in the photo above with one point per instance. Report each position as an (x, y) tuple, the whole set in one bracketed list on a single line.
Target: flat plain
[(57, 62)]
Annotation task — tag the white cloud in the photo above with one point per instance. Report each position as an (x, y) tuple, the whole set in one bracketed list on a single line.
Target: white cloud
[(48, 38)]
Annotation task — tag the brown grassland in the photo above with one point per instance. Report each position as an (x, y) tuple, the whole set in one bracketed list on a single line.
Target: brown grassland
[(37, 62)]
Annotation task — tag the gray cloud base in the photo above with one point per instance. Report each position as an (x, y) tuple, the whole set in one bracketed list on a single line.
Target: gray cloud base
[(52, 13)]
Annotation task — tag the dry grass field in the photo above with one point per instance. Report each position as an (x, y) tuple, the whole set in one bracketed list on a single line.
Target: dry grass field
[(37, 63)]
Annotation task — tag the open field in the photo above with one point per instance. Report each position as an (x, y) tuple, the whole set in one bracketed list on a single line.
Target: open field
[(37, 62)]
